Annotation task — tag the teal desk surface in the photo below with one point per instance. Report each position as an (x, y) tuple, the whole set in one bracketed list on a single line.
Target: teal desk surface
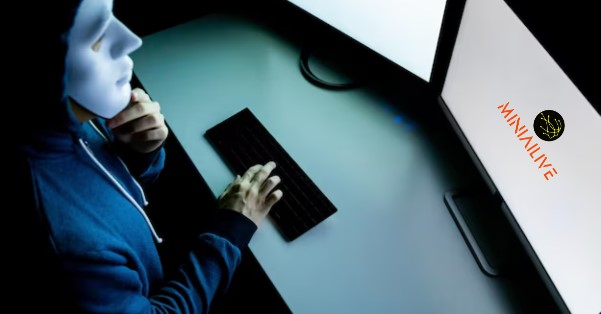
[(392, 247)]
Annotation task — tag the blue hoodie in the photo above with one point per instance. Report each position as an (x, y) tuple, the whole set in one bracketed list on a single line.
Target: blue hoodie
[(85, 201)]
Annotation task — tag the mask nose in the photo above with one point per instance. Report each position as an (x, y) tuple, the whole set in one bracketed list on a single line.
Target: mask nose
[(128, 41)]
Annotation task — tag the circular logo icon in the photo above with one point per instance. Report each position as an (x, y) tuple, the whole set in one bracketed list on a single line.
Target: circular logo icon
[(549, 125)]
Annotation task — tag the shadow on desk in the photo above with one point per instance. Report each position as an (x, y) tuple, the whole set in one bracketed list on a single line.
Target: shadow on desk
[(179, 203)]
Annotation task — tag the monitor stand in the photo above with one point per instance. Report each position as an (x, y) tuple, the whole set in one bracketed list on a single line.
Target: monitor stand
[(485, 229), (497, 249)]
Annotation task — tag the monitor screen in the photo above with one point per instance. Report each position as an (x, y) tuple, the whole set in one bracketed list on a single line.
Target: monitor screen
[(404, 31), (537, 138)]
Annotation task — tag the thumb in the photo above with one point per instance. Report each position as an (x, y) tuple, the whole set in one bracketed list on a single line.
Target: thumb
[(134, 96), (229, 186)]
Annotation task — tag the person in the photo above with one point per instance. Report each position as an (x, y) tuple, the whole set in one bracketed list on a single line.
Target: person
[(82, 162)]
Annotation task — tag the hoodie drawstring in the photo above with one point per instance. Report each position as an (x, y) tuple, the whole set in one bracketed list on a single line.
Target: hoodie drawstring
[(121, 188)]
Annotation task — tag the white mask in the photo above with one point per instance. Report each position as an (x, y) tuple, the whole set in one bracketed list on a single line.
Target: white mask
[(98, 65)]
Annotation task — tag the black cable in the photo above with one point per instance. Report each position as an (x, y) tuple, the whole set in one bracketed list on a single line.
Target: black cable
[(311, 77)]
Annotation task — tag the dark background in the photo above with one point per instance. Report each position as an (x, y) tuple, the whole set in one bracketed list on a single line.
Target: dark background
[(182, 200)]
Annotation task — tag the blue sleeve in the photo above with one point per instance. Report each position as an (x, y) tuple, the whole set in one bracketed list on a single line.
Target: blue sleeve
[(111, 281), (144, 167)]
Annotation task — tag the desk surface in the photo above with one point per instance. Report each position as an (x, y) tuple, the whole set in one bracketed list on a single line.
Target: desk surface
[(392, 246)]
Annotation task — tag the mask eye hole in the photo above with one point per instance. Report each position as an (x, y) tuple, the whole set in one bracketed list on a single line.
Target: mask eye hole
[(96, 46)]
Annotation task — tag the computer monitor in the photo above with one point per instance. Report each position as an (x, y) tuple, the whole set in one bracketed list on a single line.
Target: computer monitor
[(404, 31), (535, 137), (531, 131)]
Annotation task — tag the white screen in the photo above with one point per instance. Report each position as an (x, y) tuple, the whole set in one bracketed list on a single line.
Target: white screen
[(497, 60), (404, 31)]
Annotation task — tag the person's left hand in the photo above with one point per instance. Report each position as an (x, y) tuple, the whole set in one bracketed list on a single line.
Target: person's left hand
[(141, 125)]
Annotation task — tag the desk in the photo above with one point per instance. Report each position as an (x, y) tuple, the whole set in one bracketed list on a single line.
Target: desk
[(392, 247)]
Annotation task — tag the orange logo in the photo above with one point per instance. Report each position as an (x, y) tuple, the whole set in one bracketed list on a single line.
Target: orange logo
[(524, 135)]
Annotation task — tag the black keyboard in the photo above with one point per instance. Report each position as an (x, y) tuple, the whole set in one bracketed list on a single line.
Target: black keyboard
[(242, 142)]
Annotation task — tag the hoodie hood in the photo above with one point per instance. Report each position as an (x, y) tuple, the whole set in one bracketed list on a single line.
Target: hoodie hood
[(41, 108)]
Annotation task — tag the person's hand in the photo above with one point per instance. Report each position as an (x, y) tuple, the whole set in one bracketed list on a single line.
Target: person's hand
[(251, 194), (141, 125)]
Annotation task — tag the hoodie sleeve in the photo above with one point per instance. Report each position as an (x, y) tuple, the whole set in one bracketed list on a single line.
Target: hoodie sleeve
[(144, 167), (111, 281)]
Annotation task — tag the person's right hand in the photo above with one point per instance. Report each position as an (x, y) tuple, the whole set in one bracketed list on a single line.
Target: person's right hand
[(251, 194)]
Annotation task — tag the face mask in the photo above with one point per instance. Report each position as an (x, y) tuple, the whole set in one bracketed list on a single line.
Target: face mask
[(98, 66)]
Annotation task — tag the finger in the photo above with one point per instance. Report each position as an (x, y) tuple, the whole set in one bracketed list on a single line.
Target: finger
[(228, 188), (273, 198), (235, 181), (148, 122), (158, 134), (263, 173), (140, 95), (133, 112), (269, 184), (250, 173), (235, 185)]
